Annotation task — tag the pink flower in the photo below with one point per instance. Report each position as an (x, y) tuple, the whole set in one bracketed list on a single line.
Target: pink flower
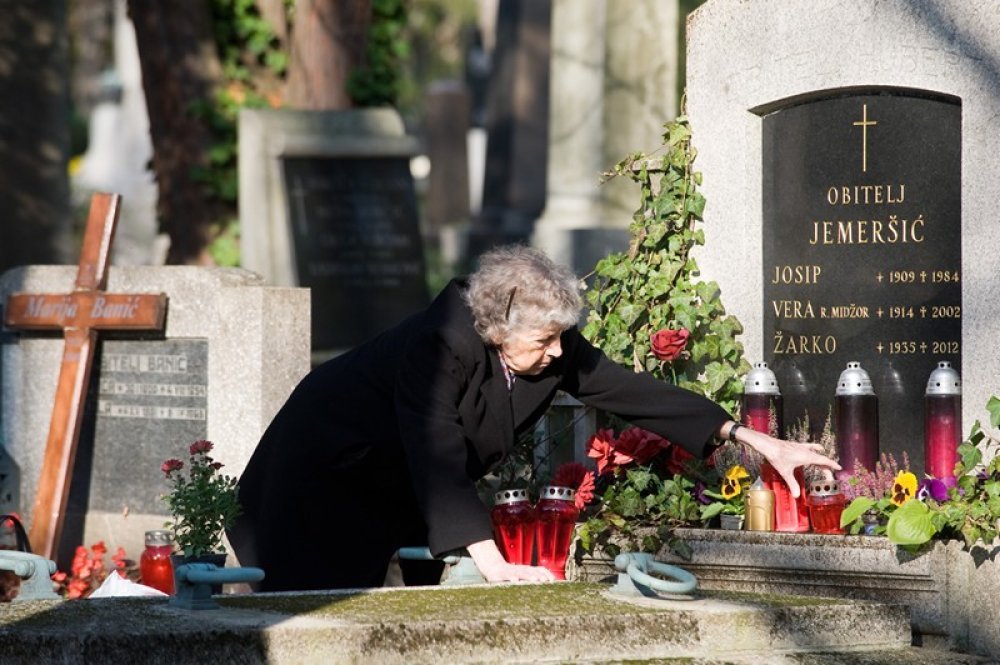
[(668, 344), (172, 465), (201, 446)]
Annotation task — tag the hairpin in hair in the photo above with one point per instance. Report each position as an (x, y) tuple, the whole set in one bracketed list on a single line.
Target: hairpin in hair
[(510, 301)]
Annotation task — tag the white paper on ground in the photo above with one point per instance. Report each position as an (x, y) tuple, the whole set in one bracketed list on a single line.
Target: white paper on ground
[(115, 585)]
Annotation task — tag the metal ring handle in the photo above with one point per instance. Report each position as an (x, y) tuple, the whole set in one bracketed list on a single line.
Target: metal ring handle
[(636, 565)]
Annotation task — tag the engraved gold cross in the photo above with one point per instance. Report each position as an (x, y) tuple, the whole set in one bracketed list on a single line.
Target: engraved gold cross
[(864, 124)]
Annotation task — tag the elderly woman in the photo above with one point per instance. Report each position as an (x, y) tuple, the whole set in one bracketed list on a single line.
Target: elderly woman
[(381, 447)]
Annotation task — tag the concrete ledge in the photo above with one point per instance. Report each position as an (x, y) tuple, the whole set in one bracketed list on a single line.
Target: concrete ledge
[(567, 622), (947, 589)]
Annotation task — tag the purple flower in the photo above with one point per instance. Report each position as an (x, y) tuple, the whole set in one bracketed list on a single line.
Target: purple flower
[(699, 493), (934, 488)]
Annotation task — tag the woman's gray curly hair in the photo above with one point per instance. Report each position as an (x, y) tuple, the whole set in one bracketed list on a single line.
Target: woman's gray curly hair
[(520, 288)]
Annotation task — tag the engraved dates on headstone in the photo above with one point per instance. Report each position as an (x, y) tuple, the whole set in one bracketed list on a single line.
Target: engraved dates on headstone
[(862, 251), (146, 391)]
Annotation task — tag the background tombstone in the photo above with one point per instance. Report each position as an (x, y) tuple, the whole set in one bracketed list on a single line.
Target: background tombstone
[(517, 107), (327, 202), (120, 151), (232, 351), (447, 106), (931, 68)]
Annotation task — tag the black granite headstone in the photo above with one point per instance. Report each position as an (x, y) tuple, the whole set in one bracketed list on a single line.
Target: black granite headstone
[(357, 244), (862, 251)]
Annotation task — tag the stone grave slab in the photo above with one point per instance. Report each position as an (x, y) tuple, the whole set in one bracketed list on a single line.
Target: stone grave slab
[(521, 623)]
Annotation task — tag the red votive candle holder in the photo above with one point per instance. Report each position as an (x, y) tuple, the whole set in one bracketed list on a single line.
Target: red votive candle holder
[(557, 513), (155, 568), (514, 525), (826, 503), (942, 421), (790, 514), (762, 397)]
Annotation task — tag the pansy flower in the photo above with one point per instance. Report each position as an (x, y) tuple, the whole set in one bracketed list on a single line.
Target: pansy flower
[(904, 488), (932, 488), (731, 485)]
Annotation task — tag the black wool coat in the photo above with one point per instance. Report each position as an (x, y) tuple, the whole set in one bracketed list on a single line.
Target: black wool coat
[(381, 447)]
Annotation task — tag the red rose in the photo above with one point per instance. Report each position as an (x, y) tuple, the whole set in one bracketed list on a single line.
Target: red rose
[(668, 344)]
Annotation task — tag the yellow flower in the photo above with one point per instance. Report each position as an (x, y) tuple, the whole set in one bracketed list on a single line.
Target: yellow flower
[(904, 488), (737, 472)]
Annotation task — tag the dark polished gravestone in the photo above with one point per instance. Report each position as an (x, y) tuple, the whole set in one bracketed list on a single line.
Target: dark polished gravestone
[(357, 245), (327, 202), (862, 250)]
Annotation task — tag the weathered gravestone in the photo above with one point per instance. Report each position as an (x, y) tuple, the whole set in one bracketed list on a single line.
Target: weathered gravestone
[(229, 355), (848, 159), (327, 202)]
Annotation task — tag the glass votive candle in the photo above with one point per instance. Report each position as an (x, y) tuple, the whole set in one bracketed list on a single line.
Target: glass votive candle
[(557, 513), (826, 503), (514, 520), (155, 568)]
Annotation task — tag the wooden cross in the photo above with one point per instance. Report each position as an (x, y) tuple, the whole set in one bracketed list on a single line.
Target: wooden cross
[(80, 315)]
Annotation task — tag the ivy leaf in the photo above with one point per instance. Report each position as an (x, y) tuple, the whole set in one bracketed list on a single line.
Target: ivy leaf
[(910, 524), (993, 406)]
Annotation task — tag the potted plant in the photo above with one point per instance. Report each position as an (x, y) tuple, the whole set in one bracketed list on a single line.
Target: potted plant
[(203, 503), (729, 503)]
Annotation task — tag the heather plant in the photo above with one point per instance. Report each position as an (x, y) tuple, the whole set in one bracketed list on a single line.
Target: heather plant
[(877, 483)]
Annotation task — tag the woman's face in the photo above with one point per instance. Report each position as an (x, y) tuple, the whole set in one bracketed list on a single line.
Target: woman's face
[(532, 350)]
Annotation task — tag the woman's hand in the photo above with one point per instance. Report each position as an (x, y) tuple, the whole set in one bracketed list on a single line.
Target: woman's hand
[(784, 456), (494, 568)]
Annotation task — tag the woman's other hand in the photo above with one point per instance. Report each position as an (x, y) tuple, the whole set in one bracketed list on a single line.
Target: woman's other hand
[(494, 568)]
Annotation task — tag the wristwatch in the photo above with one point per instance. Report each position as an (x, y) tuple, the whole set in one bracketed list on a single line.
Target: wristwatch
[(732, 432)]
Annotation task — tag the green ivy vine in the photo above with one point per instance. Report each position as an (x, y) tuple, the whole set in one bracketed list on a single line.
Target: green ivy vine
[(654, 284)]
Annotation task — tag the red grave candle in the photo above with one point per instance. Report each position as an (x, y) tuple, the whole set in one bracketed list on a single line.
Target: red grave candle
[(790, 514), (514, 526), (557, 513), (856, 422), (826, 503), (942, 421), (761, 397), (155, 568)]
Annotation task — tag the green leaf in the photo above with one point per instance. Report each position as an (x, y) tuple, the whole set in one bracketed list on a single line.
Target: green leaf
[(993, 406), (856, 509), (910, 524)]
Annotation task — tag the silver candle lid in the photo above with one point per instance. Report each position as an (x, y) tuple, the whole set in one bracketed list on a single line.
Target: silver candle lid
[(824, 487), (504, 497), (854, 381), (557, 492), (761, 381), (944, 380)]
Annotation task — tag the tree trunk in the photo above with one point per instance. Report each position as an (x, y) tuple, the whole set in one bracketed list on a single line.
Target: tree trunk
[(328, 43), (34, 133), (180, 69)]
